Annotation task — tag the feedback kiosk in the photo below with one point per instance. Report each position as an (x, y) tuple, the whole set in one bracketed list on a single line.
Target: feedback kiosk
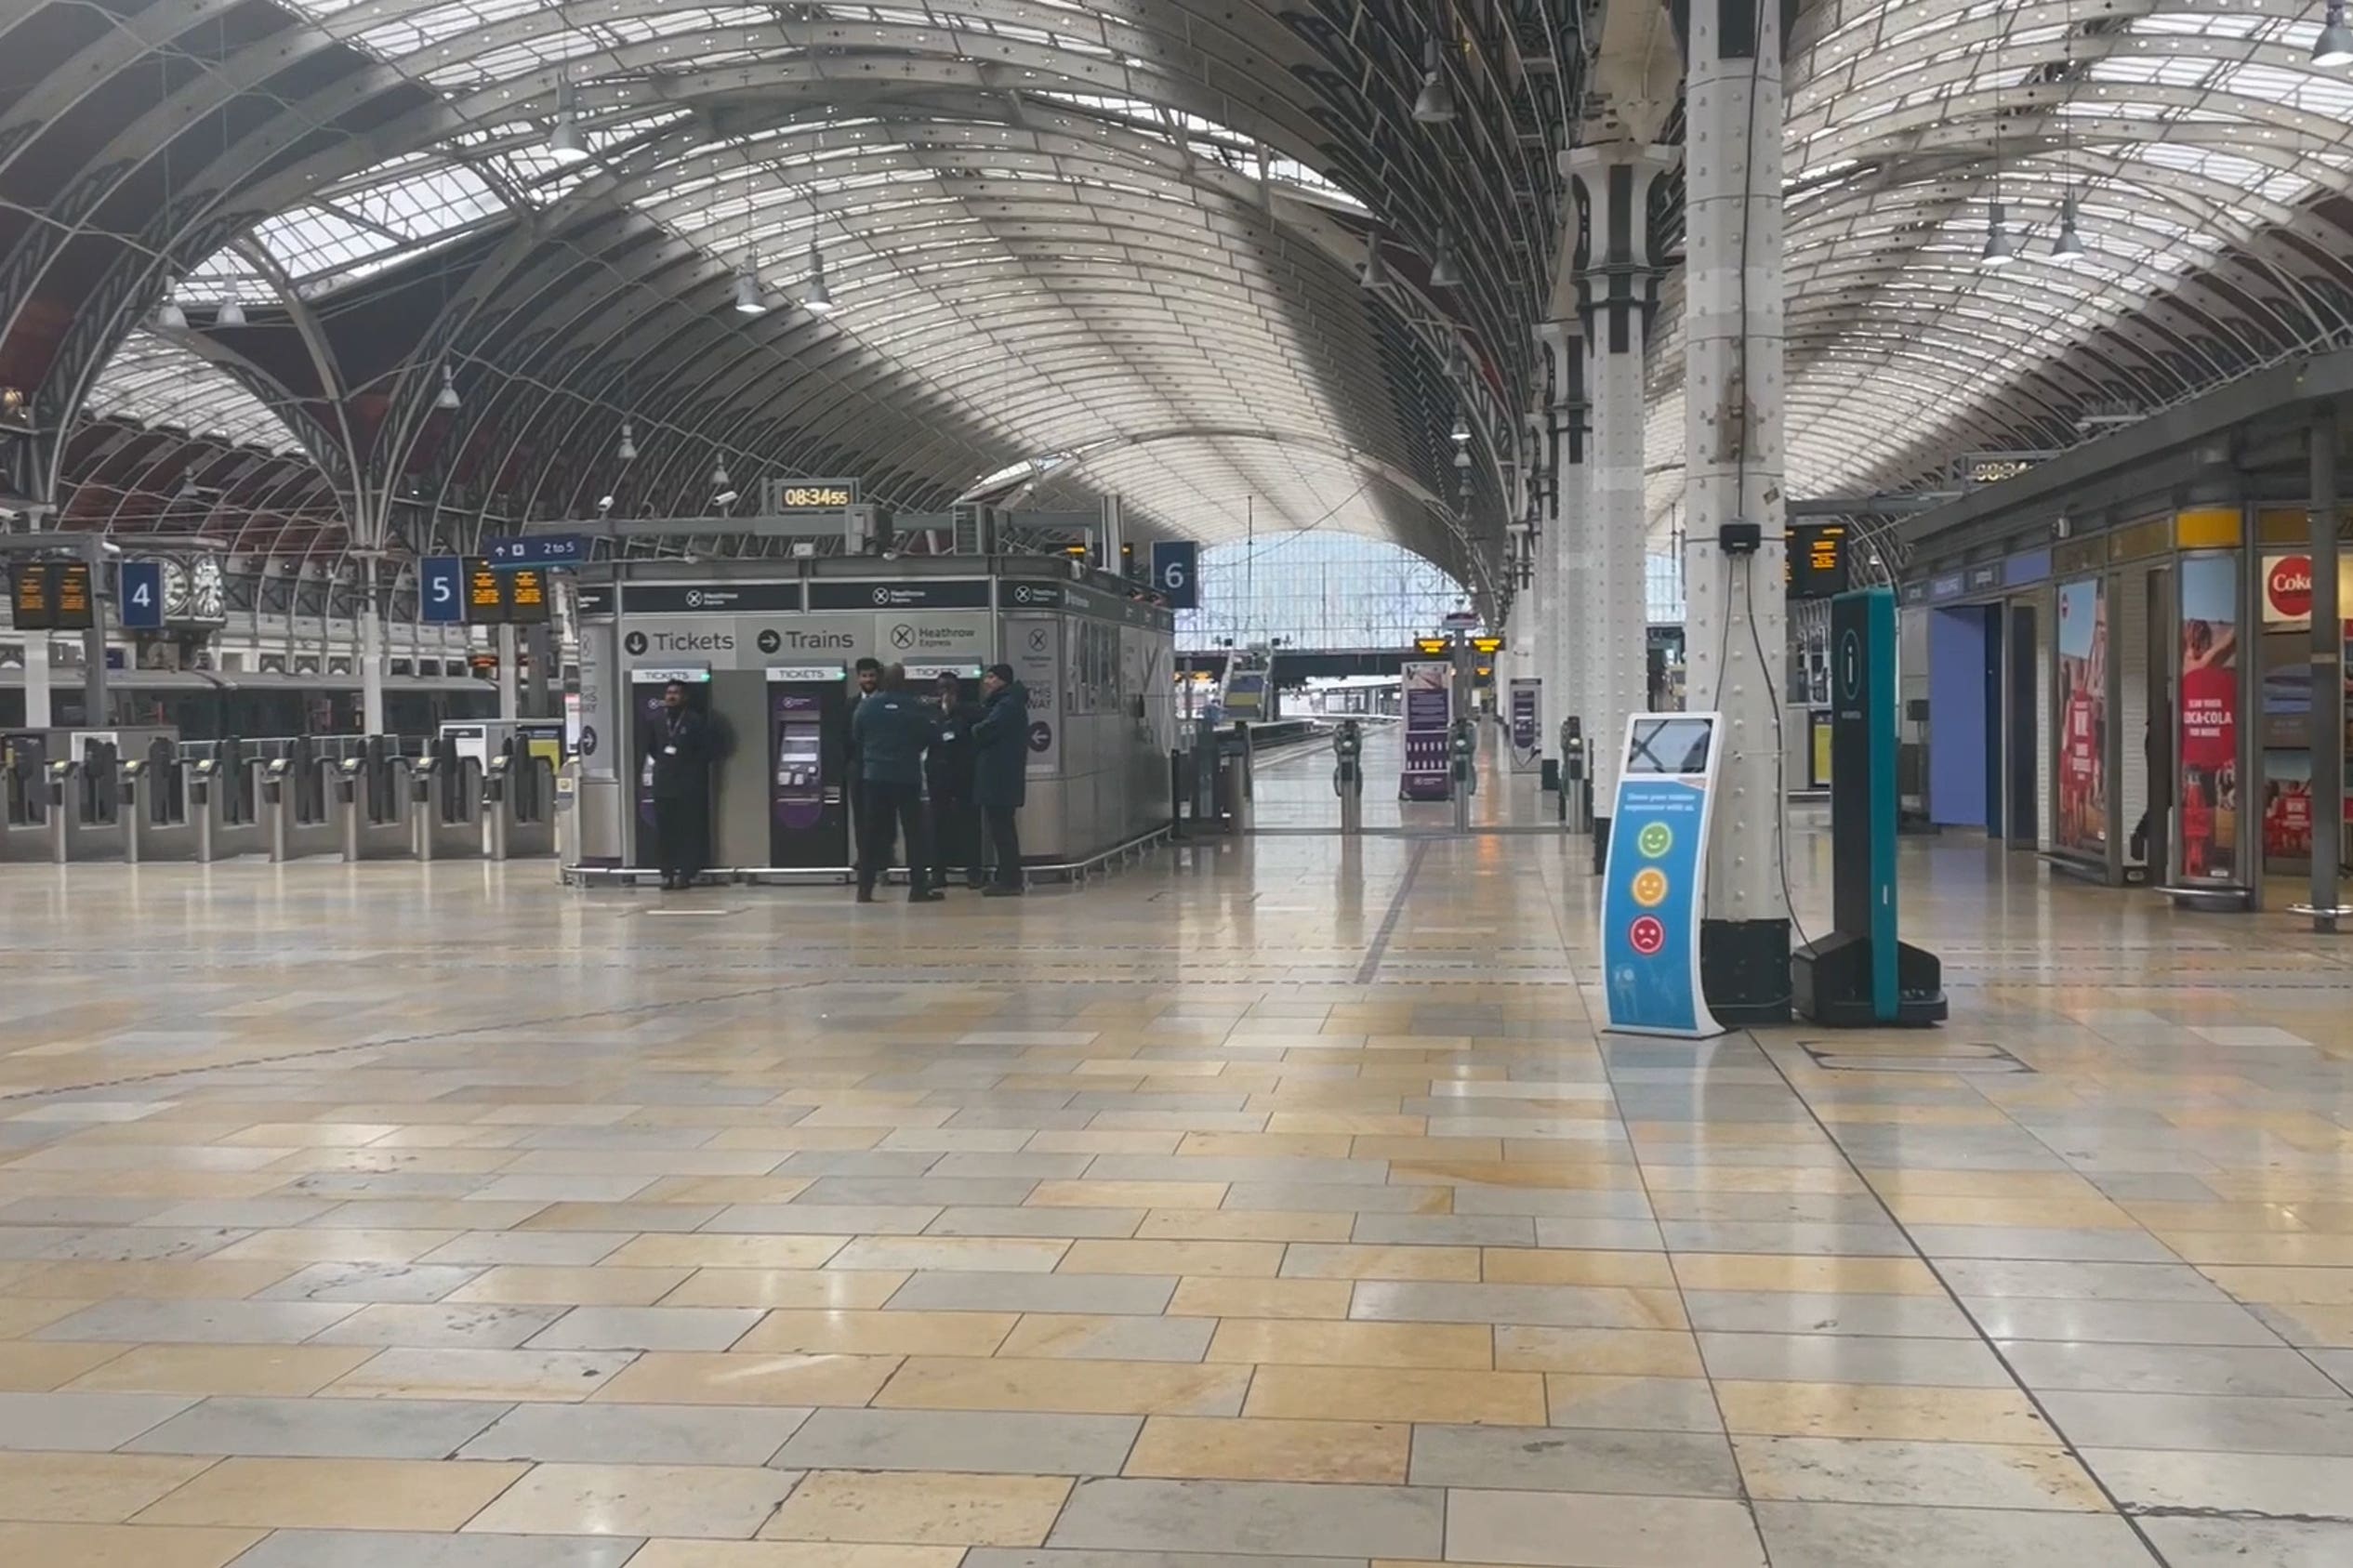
[(1860, 974), (809, 749), (647, 686), (1651, 882)]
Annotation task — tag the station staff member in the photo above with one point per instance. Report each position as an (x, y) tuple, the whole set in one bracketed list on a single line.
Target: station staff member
[(955, 824), (1000, 780), (679, 745), (868, 674), (893, 728)]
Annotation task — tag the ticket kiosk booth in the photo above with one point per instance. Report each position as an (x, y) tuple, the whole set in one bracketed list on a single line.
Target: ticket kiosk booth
[(647, 686), (809, 752)]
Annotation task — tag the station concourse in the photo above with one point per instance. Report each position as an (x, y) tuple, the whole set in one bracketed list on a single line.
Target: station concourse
[(1497, 591)]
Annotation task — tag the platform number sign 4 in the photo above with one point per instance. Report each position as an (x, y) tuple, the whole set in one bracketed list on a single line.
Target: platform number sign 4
[(141, 593), (1175, 571)]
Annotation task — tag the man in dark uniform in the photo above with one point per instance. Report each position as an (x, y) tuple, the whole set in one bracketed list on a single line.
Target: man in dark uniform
[(681, 748), (868, 674), (1000, 780), (893, 728), (947, 769)]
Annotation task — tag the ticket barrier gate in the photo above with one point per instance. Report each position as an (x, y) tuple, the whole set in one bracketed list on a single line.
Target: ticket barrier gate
[(446, 805), (24, 790), (369, 798), (1348, 775), (178, 810), (1462, 771), (519, 805), (83, 805), (295, 796), (1235, 781)]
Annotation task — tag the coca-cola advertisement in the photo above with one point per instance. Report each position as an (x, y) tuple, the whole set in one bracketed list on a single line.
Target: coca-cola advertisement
[(2209, 789), (2082, 823)]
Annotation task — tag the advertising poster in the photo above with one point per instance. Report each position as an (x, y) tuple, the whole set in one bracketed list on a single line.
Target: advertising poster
[(2209, 775), (2082, 824), (1429, 692), (1527, 724)]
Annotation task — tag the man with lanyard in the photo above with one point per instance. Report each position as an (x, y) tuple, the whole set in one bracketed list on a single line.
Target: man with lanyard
[(680, 750)]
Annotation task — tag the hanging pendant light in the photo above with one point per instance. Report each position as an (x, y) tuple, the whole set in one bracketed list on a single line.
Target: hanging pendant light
[(1458, 362), (2335, 46), (1443, 272), (1434, 104), (1375, 273), (446, 399), (168, 314), (2069, 246), (817, 298), (627, 450), (1462, 431), (747, 297), (2000, 249), (231, 312), (565, 144), (719, 474)]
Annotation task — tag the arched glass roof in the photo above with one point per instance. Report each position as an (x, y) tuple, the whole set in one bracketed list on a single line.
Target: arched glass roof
[(155, 382), (2195, 139)]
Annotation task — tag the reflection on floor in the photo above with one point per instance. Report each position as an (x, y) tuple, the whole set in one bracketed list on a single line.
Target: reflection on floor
[(1275, 1202)]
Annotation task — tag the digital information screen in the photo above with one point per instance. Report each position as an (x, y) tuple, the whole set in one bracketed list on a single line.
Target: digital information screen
[(52, 595), (485, 593), (526, 595), (29, 596), (1818, 563)]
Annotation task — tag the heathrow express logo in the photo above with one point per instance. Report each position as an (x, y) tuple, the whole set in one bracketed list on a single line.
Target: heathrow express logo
[(903, 636), (882, 595)]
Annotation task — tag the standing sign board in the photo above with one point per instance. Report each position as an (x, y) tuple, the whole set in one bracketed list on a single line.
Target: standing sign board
[(1650, 887), (1527, 724), (1429, 692)]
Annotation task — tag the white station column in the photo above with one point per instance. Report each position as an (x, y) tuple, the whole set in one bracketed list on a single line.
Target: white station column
[(1563, 564), (1733, 587), (1618, 286)]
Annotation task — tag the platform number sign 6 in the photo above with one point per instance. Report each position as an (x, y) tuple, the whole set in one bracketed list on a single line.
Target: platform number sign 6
[(1175, 571), (142, 595)]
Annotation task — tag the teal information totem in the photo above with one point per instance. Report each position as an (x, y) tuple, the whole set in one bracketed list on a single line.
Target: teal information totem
[(1861, 974)]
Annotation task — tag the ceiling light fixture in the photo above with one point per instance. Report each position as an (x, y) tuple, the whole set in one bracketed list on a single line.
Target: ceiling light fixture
[(817, 298), (565, 144), (719, 474), (1374, 274), (168, 314), (1444, 273), (1434, 104), (2335, 46), (446, 399), (1462, 431), (231, 312), (627, 450), (2069, 246), (2000, 249), (748, 299)]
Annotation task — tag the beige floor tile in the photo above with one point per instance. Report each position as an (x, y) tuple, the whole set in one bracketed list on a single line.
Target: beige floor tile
[(1261, 1298), (1456, 1264), (1929, 1474), (1829, 1276), (21, 1314), (922, 1508), (877, 1334), (37, 1367), (1356, 1394), (516, 1285), (725, 1190), (1512, 1265), (122, 1546), (249, 1371), (2055, 1213), (1365, 1124), (983, 1254), (405, 1372), (1127, 1195), (727, 1503), (336, 1494), (1880, 1411), (681, 1251), (1101, 1141), (335, 1246), (2301, 1249), (1209, 1259), (838, 1290), (89, 1488), (791, 1554), (206, 1279), (1262, 1145), (1188, 1447), (1077, 1388), (1561, 1173), (2293, 1287), (1306, 1343), (793, 1139), (695, 1377), (1243, 1225), (1378, 1148), (1614, 1352)]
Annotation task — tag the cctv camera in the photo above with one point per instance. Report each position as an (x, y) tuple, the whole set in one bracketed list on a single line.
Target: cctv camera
[(605, 504), (724, 498)]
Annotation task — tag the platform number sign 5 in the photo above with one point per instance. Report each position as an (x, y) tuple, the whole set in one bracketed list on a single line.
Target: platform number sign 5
[(141, 592), (1175, 571), (441, 590)]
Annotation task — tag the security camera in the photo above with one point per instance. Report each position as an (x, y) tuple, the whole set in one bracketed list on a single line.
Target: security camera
[(604, 505), (724, 498)]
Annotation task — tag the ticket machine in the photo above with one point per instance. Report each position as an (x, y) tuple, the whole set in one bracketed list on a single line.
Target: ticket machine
[(809, 753), (647, 686)]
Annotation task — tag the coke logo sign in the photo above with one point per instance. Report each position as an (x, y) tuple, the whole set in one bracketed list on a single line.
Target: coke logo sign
[(2288, 586)]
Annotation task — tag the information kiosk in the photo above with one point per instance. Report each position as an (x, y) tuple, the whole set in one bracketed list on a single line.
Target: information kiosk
[(808, 744), (647, 686), (1429, 702), (1861, 974), (1651, 882)]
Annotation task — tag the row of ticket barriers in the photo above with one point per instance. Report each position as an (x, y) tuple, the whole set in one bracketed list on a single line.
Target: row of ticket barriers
[(349, 797)]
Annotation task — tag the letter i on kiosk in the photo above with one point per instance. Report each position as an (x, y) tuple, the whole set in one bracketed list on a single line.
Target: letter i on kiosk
[(1650, 886)]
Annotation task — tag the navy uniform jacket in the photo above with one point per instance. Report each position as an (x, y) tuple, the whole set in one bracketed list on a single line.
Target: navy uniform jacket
[(1001, 741)]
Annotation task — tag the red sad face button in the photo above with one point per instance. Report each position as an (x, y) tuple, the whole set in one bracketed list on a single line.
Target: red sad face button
[(1647, 935)]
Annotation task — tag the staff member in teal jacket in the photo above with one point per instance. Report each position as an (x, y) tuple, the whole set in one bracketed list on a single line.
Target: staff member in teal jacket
[(892, 730)]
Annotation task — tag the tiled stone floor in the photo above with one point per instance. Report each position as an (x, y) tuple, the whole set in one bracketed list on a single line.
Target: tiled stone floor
[(1274, 1204)]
